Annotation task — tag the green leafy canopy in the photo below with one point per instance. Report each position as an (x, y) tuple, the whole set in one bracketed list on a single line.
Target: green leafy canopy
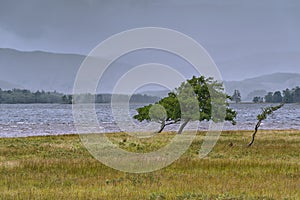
[(204, 93)]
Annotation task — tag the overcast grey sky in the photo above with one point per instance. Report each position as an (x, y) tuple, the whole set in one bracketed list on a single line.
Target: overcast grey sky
[(259, 36)]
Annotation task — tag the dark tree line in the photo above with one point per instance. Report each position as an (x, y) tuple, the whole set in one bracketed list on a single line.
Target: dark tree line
[(22, 96), (286, 96), (19, 96), (107, 98)]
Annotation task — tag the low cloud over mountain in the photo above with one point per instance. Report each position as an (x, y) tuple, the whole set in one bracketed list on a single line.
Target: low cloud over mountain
[(53, 71)]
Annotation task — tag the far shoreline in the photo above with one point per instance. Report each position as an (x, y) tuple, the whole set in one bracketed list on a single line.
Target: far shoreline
[(261, 131)]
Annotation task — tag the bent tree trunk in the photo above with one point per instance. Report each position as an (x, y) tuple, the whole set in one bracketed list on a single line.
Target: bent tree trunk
[(183, 125), (162, 126), (266, 111), (255, 131)]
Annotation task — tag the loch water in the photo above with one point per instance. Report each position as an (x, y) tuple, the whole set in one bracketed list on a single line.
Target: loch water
[(20, 120)]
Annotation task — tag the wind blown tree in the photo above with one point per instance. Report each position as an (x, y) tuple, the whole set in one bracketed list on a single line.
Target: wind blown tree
[(154, 112), (172, 108), (265, 113), (179, 104)]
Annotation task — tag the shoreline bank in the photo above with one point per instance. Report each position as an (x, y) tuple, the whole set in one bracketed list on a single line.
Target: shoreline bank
[(262, 131)]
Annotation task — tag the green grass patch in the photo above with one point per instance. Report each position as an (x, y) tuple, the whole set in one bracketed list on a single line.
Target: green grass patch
[(59, 167)]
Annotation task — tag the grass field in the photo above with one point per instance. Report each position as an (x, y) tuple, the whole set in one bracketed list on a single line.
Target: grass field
[(59, 167)]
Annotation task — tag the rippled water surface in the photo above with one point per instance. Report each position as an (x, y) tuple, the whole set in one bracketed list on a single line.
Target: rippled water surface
[(18, 120)]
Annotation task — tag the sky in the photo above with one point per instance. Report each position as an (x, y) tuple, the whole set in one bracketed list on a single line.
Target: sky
[(245, 38)]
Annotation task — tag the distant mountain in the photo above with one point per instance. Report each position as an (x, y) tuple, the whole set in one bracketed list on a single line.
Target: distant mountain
[(270, 82), (259, 63), (39, 70)]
